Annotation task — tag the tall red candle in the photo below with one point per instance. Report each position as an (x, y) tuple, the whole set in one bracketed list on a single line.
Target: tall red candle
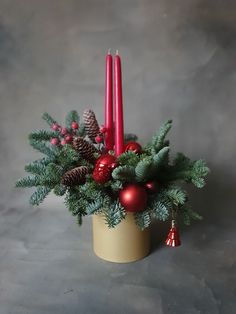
[(118, 107), (108, 104)]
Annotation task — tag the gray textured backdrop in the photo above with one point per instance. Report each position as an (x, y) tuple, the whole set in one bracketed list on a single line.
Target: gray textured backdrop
[(178, 62)]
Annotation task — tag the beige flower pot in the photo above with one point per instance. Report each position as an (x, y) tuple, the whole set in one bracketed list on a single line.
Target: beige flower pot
[(123, 244)]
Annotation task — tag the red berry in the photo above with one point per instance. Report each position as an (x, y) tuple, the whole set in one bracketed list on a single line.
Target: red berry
[(98, 139), (64, 131), (54, 141), (74, 125), (103, 129), (63, 142), (55, 127), (68, 138)]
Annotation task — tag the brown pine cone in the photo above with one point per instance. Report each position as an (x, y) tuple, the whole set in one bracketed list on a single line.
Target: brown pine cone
[(75, 176), (91, 124), (85, 149)]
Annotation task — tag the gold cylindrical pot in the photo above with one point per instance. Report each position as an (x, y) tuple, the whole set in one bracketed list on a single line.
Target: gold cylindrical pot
[(123, 244)]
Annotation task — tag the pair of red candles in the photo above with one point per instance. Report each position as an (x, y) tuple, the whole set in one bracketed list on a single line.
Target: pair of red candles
[(114, 136)]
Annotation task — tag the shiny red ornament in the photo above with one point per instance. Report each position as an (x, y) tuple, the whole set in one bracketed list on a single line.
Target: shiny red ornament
[(74, 125), (103, 168), (133, 198), (173, 238), (133, 146), (151, 187), (98, 139)]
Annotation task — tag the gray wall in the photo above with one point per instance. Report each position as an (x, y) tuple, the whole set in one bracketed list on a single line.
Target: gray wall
[(178, 62)]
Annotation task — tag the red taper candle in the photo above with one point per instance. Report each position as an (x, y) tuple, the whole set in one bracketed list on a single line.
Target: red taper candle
[(109, 103), (118, 107)]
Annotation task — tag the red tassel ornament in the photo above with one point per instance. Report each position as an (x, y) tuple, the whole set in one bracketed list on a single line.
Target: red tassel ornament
[(173, 238)]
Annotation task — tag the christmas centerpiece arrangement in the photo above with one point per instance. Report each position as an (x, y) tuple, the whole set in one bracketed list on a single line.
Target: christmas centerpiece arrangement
[(103, 172)]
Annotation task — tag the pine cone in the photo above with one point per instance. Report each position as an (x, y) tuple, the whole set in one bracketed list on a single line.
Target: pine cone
[(85, 149), (75, 176), (91, 124)]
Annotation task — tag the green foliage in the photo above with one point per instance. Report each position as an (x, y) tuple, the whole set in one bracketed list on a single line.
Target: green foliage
[(199, 170), (116, 185), (94, 207), (59, 189), (143, 219), (128, 158), (48, 119), (161, 205), (42, 135), (124, 173), (187, 215), (158, 140), (161, 158), (39, 195), (114, 214), (75, 203), (52, 175), (28, 181), (176, 196), (45, 148), (38, 166), (144, 169), (72, 116), (81, 132), (186, 170)]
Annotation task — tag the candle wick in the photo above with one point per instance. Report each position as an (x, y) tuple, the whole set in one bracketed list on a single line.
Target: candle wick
[(109, 51), (117, 52)]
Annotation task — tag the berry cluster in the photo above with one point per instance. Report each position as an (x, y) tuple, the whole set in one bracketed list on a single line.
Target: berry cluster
[(65, 135)]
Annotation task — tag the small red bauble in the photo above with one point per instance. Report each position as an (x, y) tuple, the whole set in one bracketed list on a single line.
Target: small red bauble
[(63, 142), (55, 127), (64, 131), (54, 141), (133, 146), (133, 198), (103, 129), (151, 186), (103, 168), (98, 139), (68, 138), (74, 125)]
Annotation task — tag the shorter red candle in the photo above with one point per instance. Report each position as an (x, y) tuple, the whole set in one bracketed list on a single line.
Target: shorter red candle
[(118, 107)]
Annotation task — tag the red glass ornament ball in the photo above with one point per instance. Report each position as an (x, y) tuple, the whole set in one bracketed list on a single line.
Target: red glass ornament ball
[(133, 146), (133, 197), (103, 168), (74, 125), (107, 160), (151, 186)]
